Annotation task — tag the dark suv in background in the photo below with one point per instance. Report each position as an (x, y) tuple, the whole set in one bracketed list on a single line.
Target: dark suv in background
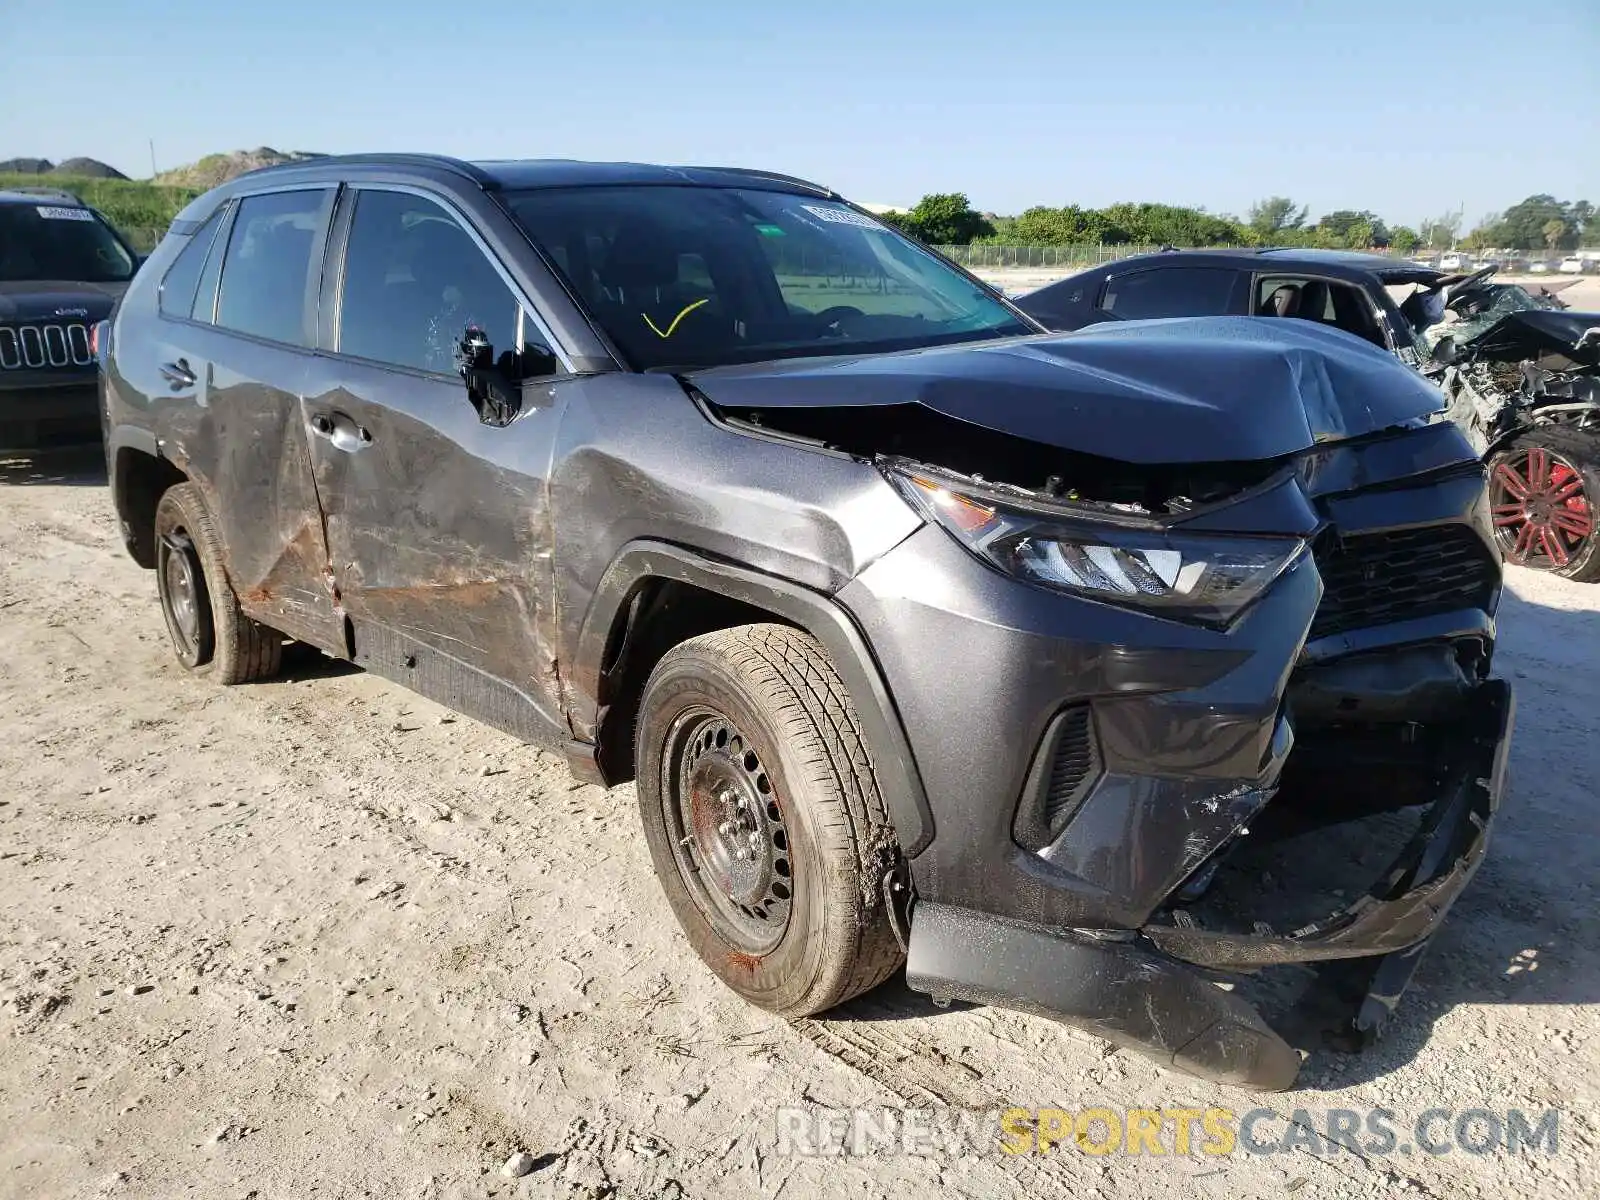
[(62, 267), (925, 635)]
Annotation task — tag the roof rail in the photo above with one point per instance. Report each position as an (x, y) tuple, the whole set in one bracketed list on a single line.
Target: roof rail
[(439, 162), (757, 173), (50, 193)]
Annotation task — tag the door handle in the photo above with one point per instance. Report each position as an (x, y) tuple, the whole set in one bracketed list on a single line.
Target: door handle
[(178, 374), (343, 431)]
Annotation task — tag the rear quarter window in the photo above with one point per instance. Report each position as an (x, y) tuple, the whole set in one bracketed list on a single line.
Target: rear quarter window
[(1168, 292), (183, 277)]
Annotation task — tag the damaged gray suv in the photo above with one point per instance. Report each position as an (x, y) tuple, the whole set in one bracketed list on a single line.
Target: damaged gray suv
[(928, 637)]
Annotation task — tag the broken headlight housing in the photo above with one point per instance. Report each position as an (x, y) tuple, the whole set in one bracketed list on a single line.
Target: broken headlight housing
[(1202, 578)]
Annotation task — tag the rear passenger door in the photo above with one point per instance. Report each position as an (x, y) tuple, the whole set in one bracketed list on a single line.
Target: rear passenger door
[(238, 320), (438, 523)]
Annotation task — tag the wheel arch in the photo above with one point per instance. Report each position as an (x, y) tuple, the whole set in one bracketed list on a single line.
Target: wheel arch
[(656, 595), (139, 474)]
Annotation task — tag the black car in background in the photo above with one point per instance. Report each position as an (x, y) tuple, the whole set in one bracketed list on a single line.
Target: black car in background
[(1522, 382), (62, 268), (927, 636)]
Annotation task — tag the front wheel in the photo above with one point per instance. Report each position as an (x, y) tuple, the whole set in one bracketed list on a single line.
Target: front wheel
[(764, 819), (1542, 489)]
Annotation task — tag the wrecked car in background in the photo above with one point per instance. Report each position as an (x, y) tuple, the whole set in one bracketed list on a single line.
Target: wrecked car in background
[(927, 637), (1523, 380), (1524, 395)]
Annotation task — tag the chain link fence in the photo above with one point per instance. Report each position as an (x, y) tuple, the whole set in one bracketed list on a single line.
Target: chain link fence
[(1089, 254), (1086, 255)]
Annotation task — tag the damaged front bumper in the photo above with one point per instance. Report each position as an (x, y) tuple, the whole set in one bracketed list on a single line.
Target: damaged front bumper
[(1149, 989)]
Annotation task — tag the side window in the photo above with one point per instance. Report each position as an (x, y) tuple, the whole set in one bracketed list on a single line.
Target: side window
[(1168, 292), (414, 280), (205, 296), (183, 277), (268, 271), (1327, 303)]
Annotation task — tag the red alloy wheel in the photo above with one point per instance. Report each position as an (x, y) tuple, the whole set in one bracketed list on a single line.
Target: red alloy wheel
[(1541, 510)]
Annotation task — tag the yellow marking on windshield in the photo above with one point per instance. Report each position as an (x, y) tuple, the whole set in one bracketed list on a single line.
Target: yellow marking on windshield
[(684, 312)]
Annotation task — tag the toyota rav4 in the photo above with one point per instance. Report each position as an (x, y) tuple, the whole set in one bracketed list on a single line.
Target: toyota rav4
[(926, 635)]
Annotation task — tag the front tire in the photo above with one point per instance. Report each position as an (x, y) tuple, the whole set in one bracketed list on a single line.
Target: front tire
[(210, 634), (1543, 487), (764, 819)]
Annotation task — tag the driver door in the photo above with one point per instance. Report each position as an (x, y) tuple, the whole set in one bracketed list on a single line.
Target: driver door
[(438, 525)]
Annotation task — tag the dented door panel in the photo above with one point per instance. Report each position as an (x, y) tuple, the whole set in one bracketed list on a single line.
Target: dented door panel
[(242, 439), (439, 526)]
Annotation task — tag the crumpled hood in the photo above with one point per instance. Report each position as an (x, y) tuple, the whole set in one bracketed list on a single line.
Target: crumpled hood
[(1185, 390), (1539, 331), (42, 300)]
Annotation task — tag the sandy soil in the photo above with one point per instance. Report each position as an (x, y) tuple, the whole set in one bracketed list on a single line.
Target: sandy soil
[(317, 937)]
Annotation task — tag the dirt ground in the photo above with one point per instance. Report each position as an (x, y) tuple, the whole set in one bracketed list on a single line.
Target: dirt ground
[(319, 938)]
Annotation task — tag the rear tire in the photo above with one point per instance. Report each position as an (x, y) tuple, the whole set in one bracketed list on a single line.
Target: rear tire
[(764, 819), (1543, 488), (210, 634)]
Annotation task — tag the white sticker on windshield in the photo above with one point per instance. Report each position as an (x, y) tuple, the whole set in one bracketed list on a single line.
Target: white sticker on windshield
[(65, 214), (841, 216)]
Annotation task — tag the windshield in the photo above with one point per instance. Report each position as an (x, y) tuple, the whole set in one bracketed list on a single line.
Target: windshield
[(46, 241), (1482, 307), (682, 276)]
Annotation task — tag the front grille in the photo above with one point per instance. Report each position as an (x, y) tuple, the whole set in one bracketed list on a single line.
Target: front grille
[(37, 347), (1379, 578)]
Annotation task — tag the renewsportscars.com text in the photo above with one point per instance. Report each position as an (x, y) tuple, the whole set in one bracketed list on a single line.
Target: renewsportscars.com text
[(1105, 1130)]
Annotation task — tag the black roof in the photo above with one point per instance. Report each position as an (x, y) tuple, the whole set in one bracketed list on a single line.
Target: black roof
[(543, 172), (40, 195), (1347, 263)]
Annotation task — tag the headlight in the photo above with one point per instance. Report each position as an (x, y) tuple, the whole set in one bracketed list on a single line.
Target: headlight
[(1201, 578)]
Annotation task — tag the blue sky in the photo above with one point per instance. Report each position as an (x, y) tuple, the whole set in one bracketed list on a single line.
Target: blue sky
[(1405, 107)]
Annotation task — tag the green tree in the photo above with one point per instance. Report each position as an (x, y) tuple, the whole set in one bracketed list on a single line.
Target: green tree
[(1348, 229), (944, 219), (1274, 215), (1522, 226), (1440, 233), (1486, 234), (1068, 226), (1404, 239), (1554, 230), (1581, 215)]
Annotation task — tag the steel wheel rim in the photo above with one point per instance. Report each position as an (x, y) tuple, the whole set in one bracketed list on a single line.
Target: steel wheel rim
[(1540, 508), (181, 597), (727, 831)]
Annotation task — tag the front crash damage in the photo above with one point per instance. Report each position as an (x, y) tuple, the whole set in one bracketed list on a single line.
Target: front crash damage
[(1523, 368), (1131, 989), (1165, 989), (1108, 877)]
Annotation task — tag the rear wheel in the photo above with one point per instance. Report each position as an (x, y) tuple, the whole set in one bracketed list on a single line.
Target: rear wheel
[(1543, 488), (211, 636), (764, 819)]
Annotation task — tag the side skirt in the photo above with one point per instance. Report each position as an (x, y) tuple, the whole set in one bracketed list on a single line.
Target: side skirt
[(447, 680)]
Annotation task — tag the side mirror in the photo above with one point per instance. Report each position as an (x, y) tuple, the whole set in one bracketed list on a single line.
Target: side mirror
[(494, 383), (1445, 351)]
